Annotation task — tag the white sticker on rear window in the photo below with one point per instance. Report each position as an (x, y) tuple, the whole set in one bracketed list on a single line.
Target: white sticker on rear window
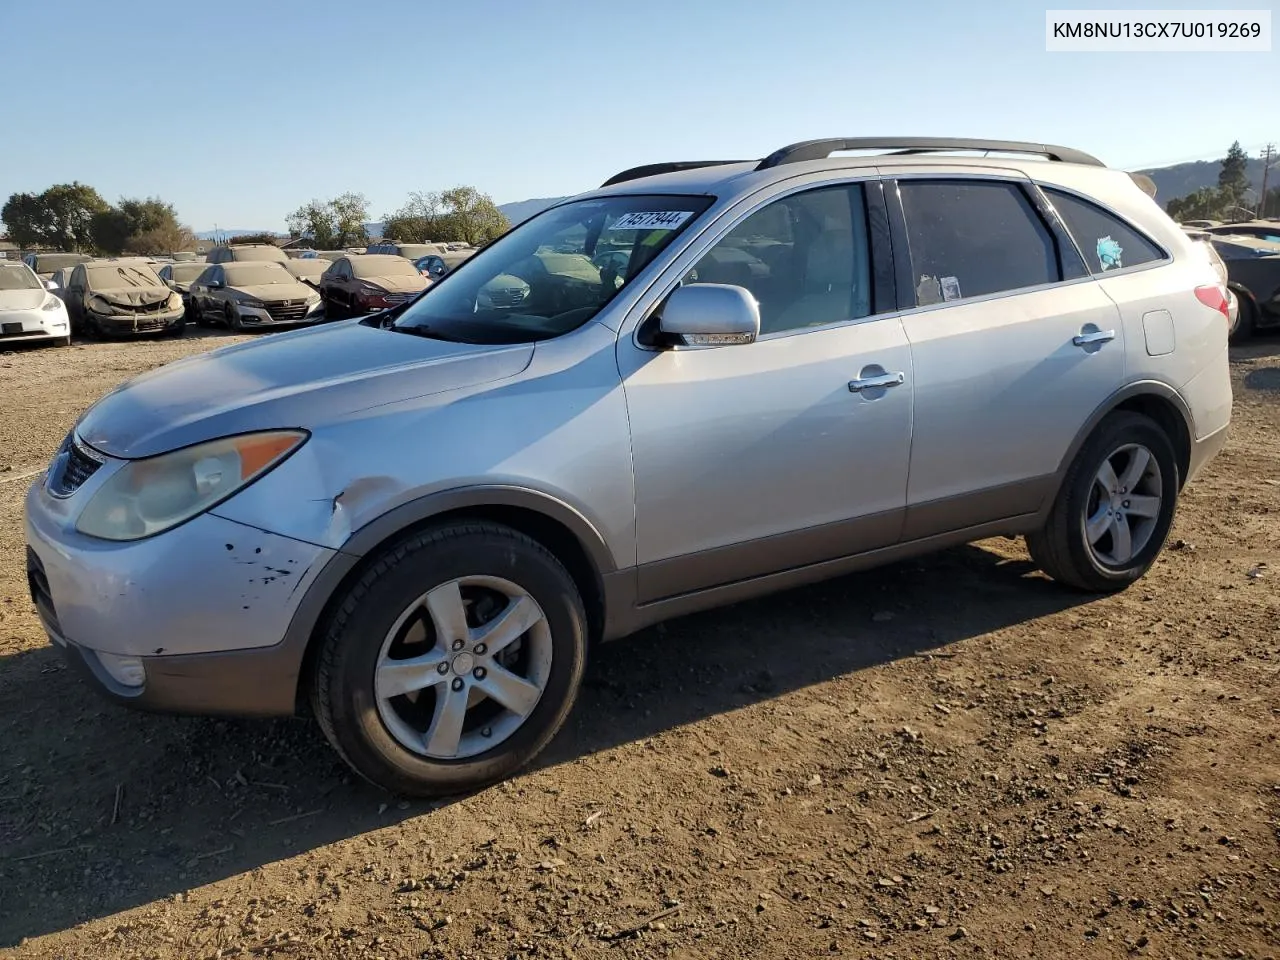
[(651, 220)]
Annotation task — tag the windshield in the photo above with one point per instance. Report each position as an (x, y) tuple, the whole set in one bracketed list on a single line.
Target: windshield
[(542, 279), (259, 254), (18, 278), (378, 265), (413, 251), (49, 262), (121, 276), (255, 274), (307, 268), (186, 272)]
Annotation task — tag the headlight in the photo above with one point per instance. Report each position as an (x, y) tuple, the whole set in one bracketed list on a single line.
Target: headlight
[(99, 305), (251, 304), (147, 497), (313, 300), (53, 303), (175, 301)]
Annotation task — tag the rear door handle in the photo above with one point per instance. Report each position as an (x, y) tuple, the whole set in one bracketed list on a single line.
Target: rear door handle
[(1098, 336), (871, 383)]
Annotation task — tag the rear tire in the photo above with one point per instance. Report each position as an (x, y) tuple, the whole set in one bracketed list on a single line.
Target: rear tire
[(398, 612), (1100, 542)]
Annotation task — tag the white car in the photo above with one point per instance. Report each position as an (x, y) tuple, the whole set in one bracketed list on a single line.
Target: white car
[(28, 311)]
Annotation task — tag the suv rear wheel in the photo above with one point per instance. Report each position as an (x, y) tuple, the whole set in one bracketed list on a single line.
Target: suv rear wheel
[(1114, 509), (452, 661)]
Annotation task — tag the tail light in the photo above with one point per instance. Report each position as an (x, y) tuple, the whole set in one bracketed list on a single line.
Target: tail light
[(1215, 297)]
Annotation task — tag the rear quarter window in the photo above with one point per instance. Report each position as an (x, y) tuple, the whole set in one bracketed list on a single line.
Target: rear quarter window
[(1106, 241)]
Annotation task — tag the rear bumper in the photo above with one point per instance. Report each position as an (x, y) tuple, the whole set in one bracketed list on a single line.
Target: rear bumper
[(1204, 450)]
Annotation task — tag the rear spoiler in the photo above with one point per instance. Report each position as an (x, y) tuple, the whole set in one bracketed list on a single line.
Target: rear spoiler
[(1146, 183)]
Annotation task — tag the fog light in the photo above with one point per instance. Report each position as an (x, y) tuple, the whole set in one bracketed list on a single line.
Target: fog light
[(124, 670)]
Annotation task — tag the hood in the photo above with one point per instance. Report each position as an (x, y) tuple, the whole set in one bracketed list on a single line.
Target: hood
[(22, 299), (271, 292), (133, 296), (305, 378), (399, 284)]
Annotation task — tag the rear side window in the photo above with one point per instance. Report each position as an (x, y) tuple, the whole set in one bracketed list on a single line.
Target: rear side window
[(1107, 242), (970, 238)]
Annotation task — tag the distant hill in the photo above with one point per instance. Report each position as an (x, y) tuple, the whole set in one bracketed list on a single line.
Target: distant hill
[(522, 210), (1182, 179)]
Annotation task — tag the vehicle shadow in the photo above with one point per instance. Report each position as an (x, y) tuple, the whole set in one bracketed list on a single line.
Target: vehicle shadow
[(103, 809)]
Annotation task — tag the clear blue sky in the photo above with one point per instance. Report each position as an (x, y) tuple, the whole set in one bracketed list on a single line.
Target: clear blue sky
[(238, 112)]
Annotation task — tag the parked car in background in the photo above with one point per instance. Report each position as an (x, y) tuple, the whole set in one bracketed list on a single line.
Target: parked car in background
[(467, 499), (57, 284), (45, 264), (364, 283), (436, 265), (410, 251), (307, 270), (122, 297), (247, 295), (1253, 271), (180, 276), (1258, 229), (183, 256), (238, 252), (28, 311)]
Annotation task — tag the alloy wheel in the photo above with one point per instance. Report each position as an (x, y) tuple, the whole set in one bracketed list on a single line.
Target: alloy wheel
[(1124, 505), (463, 667)]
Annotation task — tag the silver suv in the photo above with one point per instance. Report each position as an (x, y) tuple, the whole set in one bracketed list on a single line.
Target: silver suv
[(700, 383)]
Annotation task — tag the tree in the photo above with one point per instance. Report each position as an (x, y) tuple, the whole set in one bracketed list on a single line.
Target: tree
[(471, 216), (254, 238), (138, 226), (1233, 179), (332, 224), (1207, 203), (22, 216), (59, 218), (459, 215), (415, 221)]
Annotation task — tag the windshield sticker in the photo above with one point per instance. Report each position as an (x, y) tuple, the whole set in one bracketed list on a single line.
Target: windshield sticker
[(950, 288), (1109, 253), (651, 220)]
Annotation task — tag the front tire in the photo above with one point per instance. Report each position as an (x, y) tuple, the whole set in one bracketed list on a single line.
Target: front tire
[(1115, 507), (452, 661)]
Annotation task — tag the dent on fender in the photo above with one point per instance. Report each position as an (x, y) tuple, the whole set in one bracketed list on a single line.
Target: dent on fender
[(357, 503)]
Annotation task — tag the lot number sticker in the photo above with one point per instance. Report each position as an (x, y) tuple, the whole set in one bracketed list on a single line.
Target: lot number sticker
[(652, 220)]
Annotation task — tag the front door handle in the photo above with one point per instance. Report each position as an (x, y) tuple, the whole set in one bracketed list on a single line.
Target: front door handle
[(871, 383), (1097, 336)]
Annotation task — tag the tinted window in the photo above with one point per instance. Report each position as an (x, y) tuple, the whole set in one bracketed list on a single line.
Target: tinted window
[(1107, 242), (804, 258), (974, 237)]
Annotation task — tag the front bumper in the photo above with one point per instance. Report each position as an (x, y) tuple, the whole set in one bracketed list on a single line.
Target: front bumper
[(34, 325), (206, 607), (117, 324), (263, 317)]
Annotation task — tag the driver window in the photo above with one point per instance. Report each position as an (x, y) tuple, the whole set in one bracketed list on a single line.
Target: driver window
[(805, 259)]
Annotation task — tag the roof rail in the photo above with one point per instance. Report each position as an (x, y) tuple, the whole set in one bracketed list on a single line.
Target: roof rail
[(821, 149), (653, 169)]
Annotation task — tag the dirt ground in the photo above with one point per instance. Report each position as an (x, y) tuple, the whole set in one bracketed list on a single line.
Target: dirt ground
[(945, 758)]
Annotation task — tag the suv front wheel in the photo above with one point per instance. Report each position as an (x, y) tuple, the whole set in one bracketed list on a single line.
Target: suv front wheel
[(1114, 509), (452, 661)]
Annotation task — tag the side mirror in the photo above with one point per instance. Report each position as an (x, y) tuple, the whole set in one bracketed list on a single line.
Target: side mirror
[(214, 284), (710, 315), (50, 285)]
